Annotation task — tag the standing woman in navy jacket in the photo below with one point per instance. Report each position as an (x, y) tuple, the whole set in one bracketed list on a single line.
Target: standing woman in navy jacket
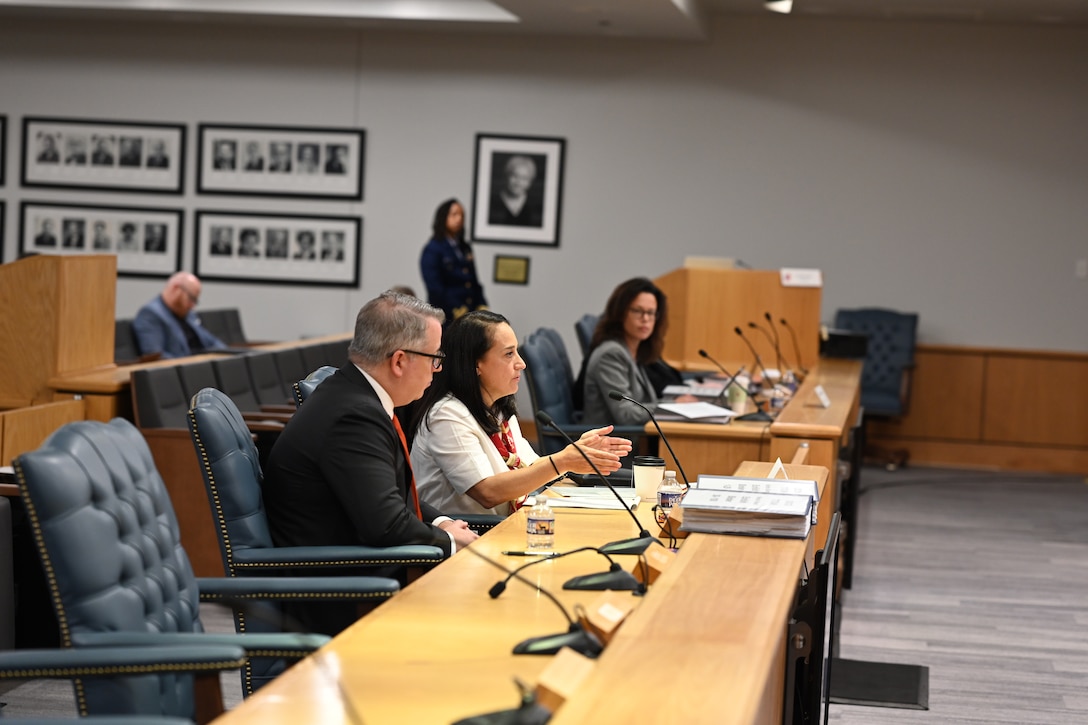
[(447, 264)]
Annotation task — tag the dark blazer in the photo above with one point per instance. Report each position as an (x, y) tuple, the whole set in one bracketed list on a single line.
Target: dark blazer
[(337, 474), (450, 278)]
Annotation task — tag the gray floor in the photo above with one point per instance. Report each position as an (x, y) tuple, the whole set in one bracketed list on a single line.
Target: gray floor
[(982, 577)]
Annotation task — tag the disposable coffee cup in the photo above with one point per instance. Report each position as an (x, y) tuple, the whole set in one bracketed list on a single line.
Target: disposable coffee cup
[(648, 472)]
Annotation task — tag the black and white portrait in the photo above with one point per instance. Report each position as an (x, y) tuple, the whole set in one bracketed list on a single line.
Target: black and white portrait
[(517, 196), (518, 189)]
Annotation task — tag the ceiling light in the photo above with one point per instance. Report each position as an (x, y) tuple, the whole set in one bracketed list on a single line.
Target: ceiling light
[(778, 6)]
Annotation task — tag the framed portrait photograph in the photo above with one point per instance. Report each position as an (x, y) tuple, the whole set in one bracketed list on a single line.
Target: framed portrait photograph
[(511, 269), (278, 248), (315, 163), (103, 155), (518, 189), (147, 242)]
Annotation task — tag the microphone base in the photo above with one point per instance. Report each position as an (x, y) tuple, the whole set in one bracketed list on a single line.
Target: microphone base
[(757, 417), (576, 638), (633, 546), (612, 580)]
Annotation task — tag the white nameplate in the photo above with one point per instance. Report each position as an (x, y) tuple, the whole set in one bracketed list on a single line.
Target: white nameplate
[(801, 277), (822, 395)]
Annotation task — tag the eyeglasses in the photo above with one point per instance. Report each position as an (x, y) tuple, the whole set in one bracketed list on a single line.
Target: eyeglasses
[(639, 312), (436, 359), (192, 298)]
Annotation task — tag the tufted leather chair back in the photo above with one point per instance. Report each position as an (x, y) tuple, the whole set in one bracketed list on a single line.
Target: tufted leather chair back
[(549, 387), (232, 474), (232, 478), (306, 386), (889, 356), (556, 341), (584, 328), (106, 533)]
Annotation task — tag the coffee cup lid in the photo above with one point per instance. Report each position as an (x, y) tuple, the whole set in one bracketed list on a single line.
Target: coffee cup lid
[(649, 461)]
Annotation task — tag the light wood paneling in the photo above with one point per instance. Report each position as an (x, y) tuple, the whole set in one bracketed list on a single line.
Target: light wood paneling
[(1015, 409), (1041, 401), (58, 314), (706, 304), (24, 429), (946, 398)]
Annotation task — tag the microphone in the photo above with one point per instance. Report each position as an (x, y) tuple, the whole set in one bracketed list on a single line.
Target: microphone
[(777, 354), (796, 347), (759, 360), (626, 546), (732, 378), (576, 637), (617, 395), (615, 578), (760, 415), (777, 342)]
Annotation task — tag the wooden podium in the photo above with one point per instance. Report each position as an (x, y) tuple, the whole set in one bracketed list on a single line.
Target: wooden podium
[(706, 304), (58, 318)]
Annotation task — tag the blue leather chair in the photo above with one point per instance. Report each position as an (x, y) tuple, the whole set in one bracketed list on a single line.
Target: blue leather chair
[(583, 329), (889, 357), (232, 479), (886, 375), (550, 391), (304, 387), (118, 576)]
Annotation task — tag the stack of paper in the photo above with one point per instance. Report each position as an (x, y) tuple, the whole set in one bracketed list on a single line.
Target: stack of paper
[(696, 411), (591, 497), (740, 484), (754, 514)]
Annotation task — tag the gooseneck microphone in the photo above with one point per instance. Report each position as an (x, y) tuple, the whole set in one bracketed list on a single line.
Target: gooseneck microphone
[(759, 360), (796, 347), (777, 343), (615, 578), (728, 383), (625, 546), (777, 354), (617, 395), (576, 637)]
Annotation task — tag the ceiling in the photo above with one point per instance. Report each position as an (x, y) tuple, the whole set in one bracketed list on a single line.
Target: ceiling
[(667, 19)]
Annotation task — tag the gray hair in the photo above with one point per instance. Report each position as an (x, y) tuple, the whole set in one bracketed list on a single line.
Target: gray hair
[(390, 322)]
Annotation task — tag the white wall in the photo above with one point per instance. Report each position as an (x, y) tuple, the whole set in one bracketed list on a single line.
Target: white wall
[(927, 167)]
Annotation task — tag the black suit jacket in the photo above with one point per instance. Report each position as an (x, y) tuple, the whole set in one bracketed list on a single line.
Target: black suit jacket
[(337, 474)]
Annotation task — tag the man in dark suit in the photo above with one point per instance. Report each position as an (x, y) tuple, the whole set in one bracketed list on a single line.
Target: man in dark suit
[(339, 473)]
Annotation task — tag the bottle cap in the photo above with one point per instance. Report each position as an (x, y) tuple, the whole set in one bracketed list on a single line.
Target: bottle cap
[(670, 473)]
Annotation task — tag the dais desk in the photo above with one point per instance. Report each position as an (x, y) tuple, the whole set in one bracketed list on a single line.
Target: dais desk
[(440, 650), (720, 449)]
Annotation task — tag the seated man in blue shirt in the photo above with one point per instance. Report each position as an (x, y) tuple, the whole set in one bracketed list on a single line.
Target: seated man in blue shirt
[(168, 325)]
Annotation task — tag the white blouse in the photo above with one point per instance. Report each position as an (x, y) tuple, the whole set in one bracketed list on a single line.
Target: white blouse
[(451, 454)]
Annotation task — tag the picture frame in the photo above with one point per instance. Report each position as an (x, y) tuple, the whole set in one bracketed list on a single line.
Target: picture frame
[(147, 241), (3, 226), (278, 248), (286, 161), (511, 269), (518, 189), (101, 155)]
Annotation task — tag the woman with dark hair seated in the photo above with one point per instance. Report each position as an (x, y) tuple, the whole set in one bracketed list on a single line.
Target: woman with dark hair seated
[(629, 337), (468, 454)]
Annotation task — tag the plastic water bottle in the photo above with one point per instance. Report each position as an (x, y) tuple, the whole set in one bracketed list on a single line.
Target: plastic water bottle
[(540, 526), (669, 493)]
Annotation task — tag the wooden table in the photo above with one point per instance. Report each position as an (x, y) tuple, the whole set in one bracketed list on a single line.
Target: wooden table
[(440, 650), (719, 449)]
